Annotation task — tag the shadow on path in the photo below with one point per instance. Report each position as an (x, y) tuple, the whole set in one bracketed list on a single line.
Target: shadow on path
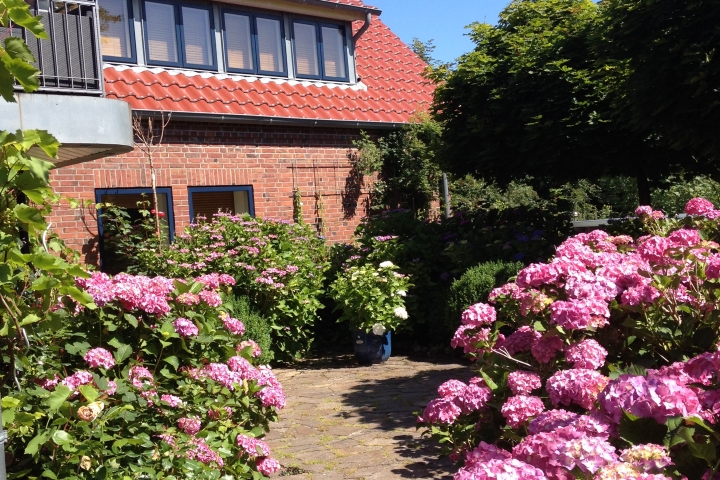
[(391, 403)]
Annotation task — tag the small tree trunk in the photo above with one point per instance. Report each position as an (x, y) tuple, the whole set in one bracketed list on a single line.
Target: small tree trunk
[(643, 188)]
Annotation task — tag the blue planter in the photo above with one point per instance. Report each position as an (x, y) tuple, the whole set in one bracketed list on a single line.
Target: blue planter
[(371, 348)]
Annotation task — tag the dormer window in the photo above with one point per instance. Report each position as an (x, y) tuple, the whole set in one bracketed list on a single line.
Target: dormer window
[(181, 33), (319, 50), (253, 43), (116, 39)]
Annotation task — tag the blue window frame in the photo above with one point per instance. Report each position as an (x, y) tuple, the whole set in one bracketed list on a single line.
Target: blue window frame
[(254, 43), (206, 201), (128, 198), (117, 31), (320, 50), (179, 34)]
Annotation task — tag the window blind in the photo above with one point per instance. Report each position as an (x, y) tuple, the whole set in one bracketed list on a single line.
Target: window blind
[(333, 51), (114, 28), (196, 36), (161, 33), (206, 204), (306, 56), (238, 41), (269, 44)]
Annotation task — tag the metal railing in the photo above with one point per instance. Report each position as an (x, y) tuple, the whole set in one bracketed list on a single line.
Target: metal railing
[(70, 60)]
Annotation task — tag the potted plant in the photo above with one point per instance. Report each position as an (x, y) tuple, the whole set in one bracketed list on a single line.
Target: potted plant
[(372, 300)]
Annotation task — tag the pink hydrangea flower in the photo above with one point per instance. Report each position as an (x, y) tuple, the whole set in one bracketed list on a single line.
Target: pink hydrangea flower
[(479, 314), (473, 398), (77, 379), (545, 348), (255, 348), (698, 206), (643, 210), (586, 354), (579, 386), (485, 452), (202, 452), (496, 469), (172, 400), (233, 325), (522, 383), (185, 328), (712, 268), (519, 409), (191, 426), (648, 457), (451, 388), (253, 447), (267, 465), (99, 357), (441, 410), (588, 454), (519, 341), (211, 298), (580, 314)]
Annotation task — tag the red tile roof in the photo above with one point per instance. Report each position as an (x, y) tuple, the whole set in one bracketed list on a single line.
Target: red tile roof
[(390, 91)]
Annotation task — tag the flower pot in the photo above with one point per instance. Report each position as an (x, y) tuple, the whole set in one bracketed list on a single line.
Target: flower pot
[(371, 348)]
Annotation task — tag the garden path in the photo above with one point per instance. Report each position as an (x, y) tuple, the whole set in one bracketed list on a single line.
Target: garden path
[(346, 421)]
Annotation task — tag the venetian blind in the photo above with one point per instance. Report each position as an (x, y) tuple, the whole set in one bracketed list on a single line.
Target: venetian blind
[(196, 36), (206, 204), (269, 44), (161, 33), (238, 41), (114, 28), (333, 51), (306, 56)]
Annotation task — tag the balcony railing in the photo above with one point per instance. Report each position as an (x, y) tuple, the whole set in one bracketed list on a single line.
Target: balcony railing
[(69, 61)]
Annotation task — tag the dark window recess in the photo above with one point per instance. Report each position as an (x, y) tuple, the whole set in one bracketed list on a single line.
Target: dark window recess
[(179, 35), (254, 43), (207, 201), (116, 30), (319, 50), (112, 257), (70, 58)]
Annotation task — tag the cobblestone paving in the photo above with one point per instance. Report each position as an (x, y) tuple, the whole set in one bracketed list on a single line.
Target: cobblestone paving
[(346, 421)]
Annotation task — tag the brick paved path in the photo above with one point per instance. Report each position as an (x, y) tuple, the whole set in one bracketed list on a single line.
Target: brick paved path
[(345, 421)]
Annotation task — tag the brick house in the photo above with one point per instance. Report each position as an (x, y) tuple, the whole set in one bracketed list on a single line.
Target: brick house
[(265, 98)]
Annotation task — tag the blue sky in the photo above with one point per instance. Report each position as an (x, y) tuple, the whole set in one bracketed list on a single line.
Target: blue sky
[(440, 20)]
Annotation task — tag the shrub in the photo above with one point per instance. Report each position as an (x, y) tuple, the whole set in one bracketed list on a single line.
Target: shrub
[(370, 297), (603, 362), (150, 381), (475, 285), (279, 266), (257, 328)]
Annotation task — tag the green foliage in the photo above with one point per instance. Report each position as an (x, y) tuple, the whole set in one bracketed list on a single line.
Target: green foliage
[(15, 57), (370, 295), (536, 98), (122, 235), (257, 328), (475, 285), (278, 265), (669, 50), (117, 424), (409, 175), (678, 191)]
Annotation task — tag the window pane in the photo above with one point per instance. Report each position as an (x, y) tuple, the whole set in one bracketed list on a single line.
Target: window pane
[(242, 202), (196, 34), (207, 204), (114, 28), (306, 59), (134, 202), (238, 41), (333, 51), (161, 33), (269, 41)]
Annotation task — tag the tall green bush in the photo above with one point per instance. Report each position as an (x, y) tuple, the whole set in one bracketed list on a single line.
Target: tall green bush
[(257, 327)]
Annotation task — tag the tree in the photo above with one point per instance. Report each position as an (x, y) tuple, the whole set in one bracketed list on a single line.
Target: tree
[(672, 86), (531, 99)]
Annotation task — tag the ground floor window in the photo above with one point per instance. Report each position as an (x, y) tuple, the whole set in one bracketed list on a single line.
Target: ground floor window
[(120, 228), (207, 201)]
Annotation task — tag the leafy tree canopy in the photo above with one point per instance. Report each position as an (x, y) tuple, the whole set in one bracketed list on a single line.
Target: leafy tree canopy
[(532, 99), (672, 86)]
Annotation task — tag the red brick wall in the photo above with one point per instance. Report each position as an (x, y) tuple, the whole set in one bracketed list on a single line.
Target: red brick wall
[(271, 159)]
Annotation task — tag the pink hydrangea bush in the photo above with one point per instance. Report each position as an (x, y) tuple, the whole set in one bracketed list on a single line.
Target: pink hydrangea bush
[(278, 265), (161, 370), (601, 363)]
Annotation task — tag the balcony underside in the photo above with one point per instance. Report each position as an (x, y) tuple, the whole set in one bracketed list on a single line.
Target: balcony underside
[(86, 127)]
